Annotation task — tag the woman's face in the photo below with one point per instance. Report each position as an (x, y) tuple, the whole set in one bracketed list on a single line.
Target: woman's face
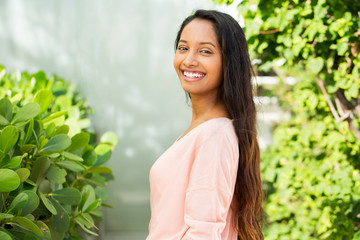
[(198, 60)]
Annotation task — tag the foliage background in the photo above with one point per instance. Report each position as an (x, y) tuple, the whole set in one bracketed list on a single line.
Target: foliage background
[(52, 178), (311, 170)]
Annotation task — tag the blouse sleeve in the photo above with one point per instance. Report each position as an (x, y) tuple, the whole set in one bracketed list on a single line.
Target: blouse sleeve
[(211, 187)]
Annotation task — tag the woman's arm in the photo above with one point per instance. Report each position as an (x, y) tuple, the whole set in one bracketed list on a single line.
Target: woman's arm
[(211, 187)]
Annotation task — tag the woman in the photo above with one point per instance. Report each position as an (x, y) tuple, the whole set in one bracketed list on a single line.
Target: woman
[(207, 184)]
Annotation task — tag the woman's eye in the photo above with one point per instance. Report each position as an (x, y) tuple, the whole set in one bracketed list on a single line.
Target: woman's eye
[(182, 48), (206, 51)]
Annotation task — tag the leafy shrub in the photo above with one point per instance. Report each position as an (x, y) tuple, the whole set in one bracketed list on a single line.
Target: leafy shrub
[(52, 176), (311, 171)]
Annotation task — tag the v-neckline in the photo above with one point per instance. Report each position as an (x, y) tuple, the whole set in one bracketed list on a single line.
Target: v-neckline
[(192, 130)]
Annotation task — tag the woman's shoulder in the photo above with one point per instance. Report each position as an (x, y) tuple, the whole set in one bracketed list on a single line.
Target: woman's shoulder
[(216, 128), (215, 123)]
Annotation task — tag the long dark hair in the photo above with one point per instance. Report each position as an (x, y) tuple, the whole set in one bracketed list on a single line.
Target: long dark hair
[(237, 93)]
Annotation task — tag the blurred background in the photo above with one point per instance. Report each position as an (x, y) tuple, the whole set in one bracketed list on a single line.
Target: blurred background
[(119, 54)]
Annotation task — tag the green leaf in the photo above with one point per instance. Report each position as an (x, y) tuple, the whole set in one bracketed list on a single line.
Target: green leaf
[(27, 147), (342, 47), (89, 157), (9, 180), (73, 166), (315, 64), (40, 80), (16, 98), (53, 155), (6, 109), (101, 193), (3, 158), (97, 179), (38, 129), (56, 174), (100, 169), (29, 216), (13, 162), (27, 112), (86, 222), (78, 141), (6, 216), (61, 220), (74, 112), (77, 220), (357, 236), (44, 186), (48, 204), (3, 120), (5, 236), (63, 129), (39, 168), (109, 138), (32, 203), (71, 156), (103, 152), (19, 202), (8, 138), (42, 142), (29, 225), (28, 181), (87, 197), (50, 130), (43, 97), (29, 131), (93, 206), (23, 174), (57, 143), (55, 235), (45, 229), (69, 196), (106, 205), (54, 116), (352, 92), (270, 175)]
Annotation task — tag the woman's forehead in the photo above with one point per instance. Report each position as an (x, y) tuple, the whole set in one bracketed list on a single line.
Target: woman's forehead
[(199, 30)]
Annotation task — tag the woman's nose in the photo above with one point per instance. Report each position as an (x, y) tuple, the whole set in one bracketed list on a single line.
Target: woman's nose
[(190, 60)]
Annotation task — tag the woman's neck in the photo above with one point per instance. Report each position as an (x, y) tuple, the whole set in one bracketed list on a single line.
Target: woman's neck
[(206, 108)]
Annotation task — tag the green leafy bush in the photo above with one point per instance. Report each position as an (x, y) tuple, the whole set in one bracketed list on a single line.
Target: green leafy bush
[(311, 171), (52, 176), (320, 36)]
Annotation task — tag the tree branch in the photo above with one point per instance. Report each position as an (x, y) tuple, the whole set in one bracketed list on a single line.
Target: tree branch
[(328, 100), (269, 31), (353, 128), (357, 107), (344, 115), (338, 106)]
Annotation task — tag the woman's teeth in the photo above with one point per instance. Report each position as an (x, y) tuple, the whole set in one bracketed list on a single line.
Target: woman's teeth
[(193, 75)]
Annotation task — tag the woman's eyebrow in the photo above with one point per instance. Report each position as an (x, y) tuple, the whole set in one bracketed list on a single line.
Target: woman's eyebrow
[(208, 43), (202, 43)]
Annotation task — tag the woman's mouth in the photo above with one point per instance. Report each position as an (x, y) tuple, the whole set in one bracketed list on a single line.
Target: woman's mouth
[(192, 76)]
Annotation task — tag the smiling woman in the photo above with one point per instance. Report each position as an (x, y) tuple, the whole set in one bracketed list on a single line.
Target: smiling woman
[(207, 184), (198, 59)]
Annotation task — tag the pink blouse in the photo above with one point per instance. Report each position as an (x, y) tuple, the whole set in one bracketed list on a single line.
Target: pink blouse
[(192, 185)]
